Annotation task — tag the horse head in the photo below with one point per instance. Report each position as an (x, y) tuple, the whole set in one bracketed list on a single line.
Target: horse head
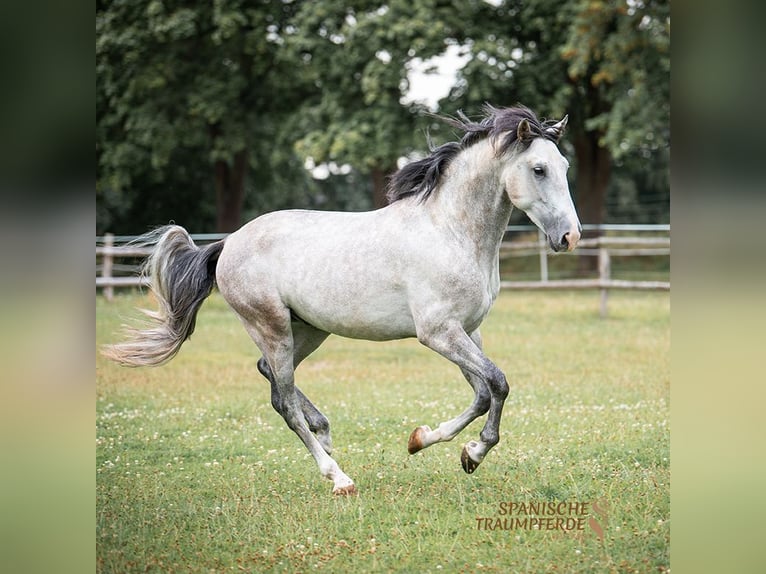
[(536, 183)]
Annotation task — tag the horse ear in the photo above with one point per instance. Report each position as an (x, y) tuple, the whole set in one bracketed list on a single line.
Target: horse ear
[(524, 132), (557, 129)]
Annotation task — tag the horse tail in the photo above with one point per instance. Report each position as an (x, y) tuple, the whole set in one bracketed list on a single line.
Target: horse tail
[(181, 276)]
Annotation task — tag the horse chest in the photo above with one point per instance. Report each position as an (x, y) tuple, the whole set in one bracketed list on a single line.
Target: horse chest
[(467, 296)]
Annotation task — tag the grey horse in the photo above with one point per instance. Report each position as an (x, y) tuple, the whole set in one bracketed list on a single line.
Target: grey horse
[(425, 266)]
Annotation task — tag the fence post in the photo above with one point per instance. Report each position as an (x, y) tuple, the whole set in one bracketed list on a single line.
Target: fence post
[(106, 267), (543, 256), (604, 273)]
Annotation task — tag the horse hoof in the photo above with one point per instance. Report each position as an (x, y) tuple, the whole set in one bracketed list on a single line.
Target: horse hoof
[(469, 465), (415, 443), (348, 490)]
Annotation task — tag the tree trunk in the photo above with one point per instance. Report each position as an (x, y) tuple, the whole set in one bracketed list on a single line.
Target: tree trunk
[(379, 176), (594, 167), (230, 192)]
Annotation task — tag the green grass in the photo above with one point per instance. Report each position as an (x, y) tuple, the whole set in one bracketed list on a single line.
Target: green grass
[(197, 473)]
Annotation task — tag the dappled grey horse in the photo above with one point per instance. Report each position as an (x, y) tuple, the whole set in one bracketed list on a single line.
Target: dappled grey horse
[(425, 266)]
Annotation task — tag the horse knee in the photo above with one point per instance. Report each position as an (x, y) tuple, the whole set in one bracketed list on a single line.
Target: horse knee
[(497, 383), (502, 389)]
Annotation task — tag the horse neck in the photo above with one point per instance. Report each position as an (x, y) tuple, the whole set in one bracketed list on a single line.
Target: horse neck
[(471, 200)]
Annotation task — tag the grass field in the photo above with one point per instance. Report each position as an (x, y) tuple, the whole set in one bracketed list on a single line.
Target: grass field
[(197, 473)]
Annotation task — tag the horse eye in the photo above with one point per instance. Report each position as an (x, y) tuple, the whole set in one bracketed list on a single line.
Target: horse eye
[(539, 171)]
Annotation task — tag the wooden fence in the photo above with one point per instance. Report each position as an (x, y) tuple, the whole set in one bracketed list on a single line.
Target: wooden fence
[(604, 247), (120, 261), (111, 248)]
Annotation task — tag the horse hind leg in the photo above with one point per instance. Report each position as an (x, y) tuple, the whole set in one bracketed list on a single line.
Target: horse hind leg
[(423, 437), (276, 344), (306, 339), (318, 423)]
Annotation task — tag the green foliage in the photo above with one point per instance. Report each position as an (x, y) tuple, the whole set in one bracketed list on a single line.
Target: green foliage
[(624, 48), (607, 64), (180, 86), (357, 54)]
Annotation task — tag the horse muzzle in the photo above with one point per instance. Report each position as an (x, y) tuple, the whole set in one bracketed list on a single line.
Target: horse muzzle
[(567, 242)]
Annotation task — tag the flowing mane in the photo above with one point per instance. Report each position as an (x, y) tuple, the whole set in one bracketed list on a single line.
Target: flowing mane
[(422, 177)]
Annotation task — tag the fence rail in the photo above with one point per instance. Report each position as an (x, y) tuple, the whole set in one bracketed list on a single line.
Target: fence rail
[(111, 275)]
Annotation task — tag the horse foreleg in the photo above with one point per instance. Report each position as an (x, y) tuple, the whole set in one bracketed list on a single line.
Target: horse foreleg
[(423, 436), (453, 343)]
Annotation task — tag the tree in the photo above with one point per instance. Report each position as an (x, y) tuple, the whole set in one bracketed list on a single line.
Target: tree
[(183, 84), (606, 64), (224, 96), (357, 54)]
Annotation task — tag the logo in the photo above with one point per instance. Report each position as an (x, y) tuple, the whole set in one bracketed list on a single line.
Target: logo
[(547, 515), (599, 507)]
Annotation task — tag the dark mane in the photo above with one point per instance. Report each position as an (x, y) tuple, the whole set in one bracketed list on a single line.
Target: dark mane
[(422, 177)]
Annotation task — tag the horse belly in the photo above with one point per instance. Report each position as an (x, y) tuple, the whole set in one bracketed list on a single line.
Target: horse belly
[(372, 311), (336, 271)]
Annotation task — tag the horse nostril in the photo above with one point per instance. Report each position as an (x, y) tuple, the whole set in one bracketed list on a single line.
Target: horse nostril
[(570, 239)]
